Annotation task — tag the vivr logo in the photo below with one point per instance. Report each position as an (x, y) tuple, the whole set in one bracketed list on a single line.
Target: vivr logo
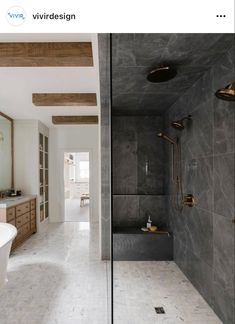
[(16, 16)]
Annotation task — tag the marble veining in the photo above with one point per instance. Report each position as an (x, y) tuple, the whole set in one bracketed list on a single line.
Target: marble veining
[(204, 236), (105, 156), (134, 55), (56, 277), (138, 156), (140, 286)]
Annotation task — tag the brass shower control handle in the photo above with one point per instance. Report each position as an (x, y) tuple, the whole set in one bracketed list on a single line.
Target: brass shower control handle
[(189, 200)]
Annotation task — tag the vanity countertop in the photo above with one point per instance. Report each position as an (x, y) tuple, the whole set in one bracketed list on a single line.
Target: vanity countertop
[(12, 201)]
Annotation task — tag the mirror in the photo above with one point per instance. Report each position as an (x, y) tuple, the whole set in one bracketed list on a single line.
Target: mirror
[(6, 152)]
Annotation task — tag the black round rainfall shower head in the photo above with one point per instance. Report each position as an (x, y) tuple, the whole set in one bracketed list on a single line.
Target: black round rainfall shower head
[(161, 74)]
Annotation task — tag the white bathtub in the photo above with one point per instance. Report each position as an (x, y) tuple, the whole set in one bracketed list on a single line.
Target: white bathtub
[(7, 234)]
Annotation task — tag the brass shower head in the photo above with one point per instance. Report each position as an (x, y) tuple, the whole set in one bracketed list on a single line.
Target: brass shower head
[(179, 124), (227, 93)]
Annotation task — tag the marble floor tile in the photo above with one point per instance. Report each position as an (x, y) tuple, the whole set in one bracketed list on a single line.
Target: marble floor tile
[(141, 286), (74, 212), (56, 277)]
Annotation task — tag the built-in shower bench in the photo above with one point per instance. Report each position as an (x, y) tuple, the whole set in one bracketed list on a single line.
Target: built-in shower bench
[(132, 244)]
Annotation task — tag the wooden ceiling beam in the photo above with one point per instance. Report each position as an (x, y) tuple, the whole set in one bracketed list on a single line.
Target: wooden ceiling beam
[(74, 120), (46, 54), (64, 99)]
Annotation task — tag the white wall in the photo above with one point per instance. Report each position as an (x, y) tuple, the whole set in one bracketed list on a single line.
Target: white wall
[(71, 139), (5, 154), (26, 159), (26, 155)]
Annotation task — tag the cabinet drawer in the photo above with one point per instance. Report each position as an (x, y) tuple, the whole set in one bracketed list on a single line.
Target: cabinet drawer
[(33, 225), (10, 214), (33, 214), (21, 220), (22, 231), (33, 204), (26, 229), (22, 209), (20, 234)]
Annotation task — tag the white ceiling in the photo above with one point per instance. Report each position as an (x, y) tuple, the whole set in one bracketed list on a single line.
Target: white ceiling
[(18, 83)]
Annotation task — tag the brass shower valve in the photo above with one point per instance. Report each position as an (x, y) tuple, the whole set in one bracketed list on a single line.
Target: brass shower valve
[(189, 200)]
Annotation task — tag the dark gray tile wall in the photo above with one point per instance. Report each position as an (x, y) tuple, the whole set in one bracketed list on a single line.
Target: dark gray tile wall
[(133, 210), (105, 112), (138, 192), (204, 235), (135, 148), (135, 55)]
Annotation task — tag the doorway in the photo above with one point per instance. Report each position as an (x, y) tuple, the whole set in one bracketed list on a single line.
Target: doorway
[(77, 186)]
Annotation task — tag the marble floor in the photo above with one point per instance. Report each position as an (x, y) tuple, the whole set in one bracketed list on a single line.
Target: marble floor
[(56, 277), (139, 286), (75, 213)]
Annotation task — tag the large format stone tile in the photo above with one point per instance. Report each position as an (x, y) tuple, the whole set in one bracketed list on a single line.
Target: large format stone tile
[(127, 49), (200, 274), (126, 210), (141, 286), (125, 169), (203, 251), (151, 159), (224, 185), (138, 155), (124, 156), (154, 206), (196, 139), (198, 233), (180, 253), (224, 256), (198, 177), (56, 277), (222, 302), (223, 71), (224, 126)]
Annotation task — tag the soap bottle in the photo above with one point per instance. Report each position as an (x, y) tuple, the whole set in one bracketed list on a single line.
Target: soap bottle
[(149, 222)]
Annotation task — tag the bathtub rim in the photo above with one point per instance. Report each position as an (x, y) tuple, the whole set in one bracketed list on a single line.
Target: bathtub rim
[(13, 234)]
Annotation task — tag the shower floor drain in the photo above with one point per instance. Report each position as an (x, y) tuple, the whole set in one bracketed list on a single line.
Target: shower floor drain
[(159, 310)]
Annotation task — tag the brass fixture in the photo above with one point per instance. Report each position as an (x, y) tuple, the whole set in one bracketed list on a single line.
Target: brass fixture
[(176, 170), (166, 137), (179, 124), (189, 200), (2, 194), (227, 93)]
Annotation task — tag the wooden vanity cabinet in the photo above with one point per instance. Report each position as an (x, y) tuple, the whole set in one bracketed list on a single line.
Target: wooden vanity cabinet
[(23, 217)]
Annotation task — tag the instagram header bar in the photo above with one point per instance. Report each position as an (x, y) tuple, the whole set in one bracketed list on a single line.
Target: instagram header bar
[(117, 16)]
